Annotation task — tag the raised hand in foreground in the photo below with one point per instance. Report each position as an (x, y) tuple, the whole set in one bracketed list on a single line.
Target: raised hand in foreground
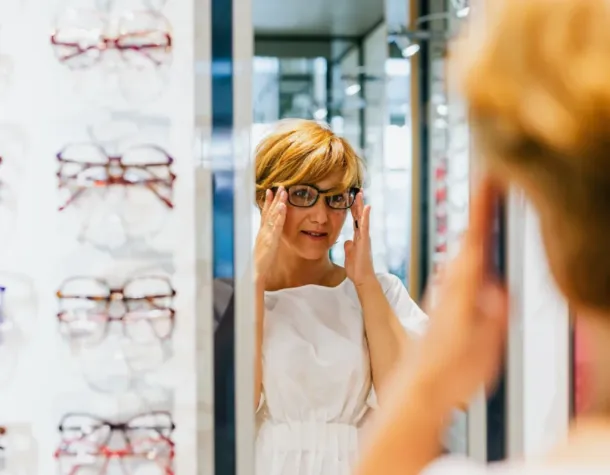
[(460, 354)]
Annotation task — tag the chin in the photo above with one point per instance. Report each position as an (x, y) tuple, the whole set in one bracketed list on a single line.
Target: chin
[(313, 254)]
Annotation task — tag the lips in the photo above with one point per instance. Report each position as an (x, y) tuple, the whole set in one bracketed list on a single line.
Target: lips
[(315, 234)]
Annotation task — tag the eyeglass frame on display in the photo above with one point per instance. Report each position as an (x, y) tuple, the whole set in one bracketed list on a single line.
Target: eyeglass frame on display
[(113, 180), (112, 297), (102, 449), (106, 43), (121, 426)]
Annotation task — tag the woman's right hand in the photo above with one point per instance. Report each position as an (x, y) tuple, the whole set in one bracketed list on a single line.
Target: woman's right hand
[(268, 238)]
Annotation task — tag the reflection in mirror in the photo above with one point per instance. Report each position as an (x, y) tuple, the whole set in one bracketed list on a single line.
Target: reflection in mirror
[(359, 93)]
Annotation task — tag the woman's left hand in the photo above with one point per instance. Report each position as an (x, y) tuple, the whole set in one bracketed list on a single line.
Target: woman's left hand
[(358, 259)]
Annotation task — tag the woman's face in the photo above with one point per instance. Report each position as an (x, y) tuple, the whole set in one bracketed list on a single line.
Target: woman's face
[(311, 232)]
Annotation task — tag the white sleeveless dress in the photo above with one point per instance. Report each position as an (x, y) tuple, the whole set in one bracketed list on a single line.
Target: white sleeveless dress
[(317, 377)]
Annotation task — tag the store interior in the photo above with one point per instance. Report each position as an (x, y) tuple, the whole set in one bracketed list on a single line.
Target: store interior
[(127, 218)]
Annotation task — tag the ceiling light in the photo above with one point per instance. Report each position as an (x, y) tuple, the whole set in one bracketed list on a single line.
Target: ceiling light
[(463, 12), (352, 89), (411, 50), (442, 109), (320, 114)]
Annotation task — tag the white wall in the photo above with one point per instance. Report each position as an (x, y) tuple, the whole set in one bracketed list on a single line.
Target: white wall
[(376, 120), (53, 106)]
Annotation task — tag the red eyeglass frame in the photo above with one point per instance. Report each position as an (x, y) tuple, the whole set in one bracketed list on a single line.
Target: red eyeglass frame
[(120, 43), (130, 448), (115, 162), (118, 294)]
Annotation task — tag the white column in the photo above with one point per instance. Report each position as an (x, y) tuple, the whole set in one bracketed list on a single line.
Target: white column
[(243, 50), (539, 350), (203, 217)]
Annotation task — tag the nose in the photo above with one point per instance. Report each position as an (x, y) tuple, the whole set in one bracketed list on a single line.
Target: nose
[(319, 212)]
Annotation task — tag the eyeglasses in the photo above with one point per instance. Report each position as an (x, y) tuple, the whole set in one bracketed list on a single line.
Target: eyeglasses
[(85, 446), (82, 36), (306, 196), (83, 167), (143, 307)]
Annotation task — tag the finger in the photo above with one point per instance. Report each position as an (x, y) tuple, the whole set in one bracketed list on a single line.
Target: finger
[(434, 282), (482, 216), (278, 197), (466, 273), (267, 203), (280, 218), (493, 302), (493, 320), (365, 220), (275, 223), (348, 246), (279, 202)]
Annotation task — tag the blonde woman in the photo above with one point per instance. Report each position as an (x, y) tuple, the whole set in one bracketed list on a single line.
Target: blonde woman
[(326, 334), (539, 94)]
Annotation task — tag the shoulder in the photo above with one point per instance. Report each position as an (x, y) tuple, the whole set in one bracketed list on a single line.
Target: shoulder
[(392, 286), (396, 293), (391, 283)]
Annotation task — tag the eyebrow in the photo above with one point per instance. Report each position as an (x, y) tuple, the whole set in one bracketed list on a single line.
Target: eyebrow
[(320, 190)]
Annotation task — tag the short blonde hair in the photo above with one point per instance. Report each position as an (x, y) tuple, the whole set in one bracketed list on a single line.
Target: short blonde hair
[(304, 151), (539, 95)]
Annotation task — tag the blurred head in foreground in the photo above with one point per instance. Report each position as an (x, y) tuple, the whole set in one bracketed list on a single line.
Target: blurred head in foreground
[(539, 91)]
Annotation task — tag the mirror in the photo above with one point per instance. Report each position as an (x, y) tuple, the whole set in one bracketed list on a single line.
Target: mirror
[(375, 72)]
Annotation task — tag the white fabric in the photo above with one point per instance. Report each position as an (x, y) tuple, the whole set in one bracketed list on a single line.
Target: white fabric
[(317, 377), (457, 465)]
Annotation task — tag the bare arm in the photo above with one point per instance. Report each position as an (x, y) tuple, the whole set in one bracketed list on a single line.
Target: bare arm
[(406, 436), (388, 341), (461, 353), (273, 215)]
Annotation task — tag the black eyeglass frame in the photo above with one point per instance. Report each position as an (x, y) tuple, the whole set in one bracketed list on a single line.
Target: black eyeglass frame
[(353, 191)]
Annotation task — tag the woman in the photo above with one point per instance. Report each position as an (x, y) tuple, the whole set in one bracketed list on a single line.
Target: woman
[(540, 102), (325, 333)]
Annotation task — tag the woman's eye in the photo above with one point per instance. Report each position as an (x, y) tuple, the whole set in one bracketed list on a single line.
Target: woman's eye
[(337, 198), (301, 193)]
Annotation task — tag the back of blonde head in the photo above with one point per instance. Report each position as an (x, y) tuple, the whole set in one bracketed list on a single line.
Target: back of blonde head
[(539, 92), (305, 152)]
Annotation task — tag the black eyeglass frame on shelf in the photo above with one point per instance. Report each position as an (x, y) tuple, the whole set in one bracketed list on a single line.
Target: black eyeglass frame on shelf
[(328, 198)]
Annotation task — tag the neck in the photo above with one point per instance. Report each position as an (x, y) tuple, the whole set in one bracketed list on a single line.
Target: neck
[(294, 271), (594, 335)]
